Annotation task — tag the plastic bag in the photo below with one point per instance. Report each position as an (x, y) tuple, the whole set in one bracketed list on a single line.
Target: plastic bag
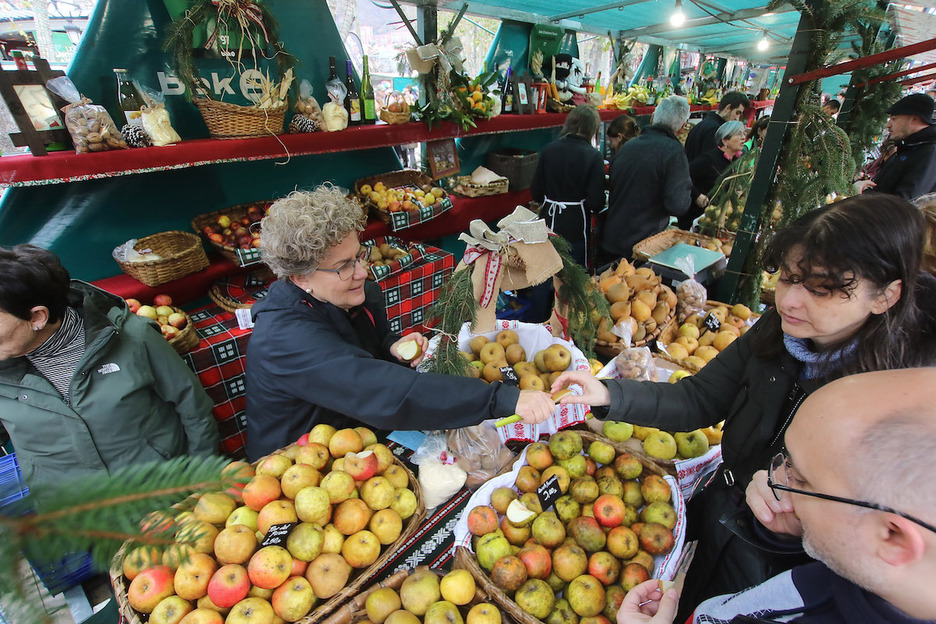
[(90, 125), (479, 452), (439, 476), (334, 114), (690, 294), (128, 253), (307, 105), (156, 121), (636, 363)]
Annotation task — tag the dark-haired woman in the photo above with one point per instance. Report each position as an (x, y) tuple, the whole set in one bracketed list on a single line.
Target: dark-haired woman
[(756, 134), (569, 180), (621, 130), (851, 299), (85, 385)]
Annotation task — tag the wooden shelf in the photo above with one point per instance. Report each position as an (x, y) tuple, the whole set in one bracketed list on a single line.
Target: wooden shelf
[(63, 167)]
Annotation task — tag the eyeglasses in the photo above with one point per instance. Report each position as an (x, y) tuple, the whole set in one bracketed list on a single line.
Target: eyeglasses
[(346, 270), (782, 460)]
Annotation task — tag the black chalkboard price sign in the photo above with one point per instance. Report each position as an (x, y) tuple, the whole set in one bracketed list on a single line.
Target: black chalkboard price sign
[(549, 492), (278, 534), (510, 375)]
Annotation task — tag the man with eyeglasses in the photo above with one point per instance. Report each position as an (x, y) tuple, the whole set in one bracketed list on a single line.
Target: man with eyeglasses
[(856, 485)]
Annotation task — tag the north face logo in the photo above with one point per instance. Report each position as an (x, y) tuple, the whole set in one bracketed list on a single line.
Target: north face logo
[(108, 368)]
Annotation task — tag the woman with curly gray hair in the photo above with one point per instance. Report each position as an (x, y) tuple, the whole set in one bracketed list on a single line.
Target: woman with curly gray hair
[(322, 350)]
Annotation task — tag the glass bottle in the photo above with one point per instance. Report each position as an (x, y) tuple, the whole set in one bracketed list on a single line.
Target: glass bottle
[(507, 94), (129, 98), (353, 98), (368, 110)]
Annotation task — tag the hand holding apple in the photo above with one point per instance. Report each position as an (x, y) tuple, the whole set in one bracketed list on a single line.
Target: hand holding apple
[(405, 356)]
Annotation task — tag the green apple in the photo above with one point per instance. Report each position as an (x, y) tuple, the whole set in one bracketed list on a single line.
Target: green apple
[(617, 431), (691, 443)]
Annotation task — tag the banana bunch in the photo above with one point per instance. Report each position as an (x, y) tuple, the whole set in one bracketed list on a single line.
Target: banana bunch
[(710, 97), (622, 101)]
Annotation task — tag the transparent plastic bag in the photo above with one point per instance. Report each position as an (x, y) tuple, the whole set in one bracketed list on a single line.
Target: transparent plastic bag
[(636, 363), (690, 294), (479, 452), (90, 125), (128, 253), (156, 122), (439, 476), (307, 105)]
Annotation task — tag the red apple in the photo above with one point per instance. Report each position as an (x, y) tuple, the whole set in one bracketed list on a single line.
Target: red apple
[(133, 304), (609, 510), (269, 567), (362, 466), (177, 320), (168, 331), (150, 587), (162, 300), (216, 238), (228, 585)]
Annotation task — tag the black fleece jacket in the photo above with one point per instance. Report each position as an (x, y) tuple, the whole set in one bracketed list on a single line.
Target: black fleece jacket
[(649, 182), (911, 171), (310, 362)]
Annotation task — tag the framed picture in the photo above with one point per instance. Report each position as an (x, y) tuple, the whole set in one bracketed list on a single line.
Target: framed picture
[(524, 95), (36, 110), (443, 158)]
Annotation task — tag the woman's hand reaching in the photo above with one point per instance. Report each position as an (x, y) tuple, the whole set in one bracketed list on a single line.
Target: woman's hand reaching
[(418, 338), (594, 392)]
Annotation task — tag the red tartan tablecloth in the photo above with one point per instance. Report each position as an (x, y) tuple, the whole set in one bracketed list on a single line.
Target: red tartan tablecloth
[(410, 294), (218, 361)]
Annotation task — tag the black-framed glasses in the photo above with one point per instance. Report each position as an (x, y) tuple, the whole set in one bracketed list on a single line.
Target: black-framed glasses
[(778, 483), (346, 270)]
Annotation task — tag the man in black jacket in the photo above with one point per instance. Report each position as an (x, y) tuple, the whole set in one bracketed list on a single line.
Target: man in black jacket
[(855, 482), (911, 171), (649, 182), (702, 136)]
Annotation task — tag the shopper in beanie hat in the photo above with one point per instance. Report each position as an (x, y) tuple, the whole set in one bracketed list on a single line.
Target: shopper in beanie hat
[(911, 171)]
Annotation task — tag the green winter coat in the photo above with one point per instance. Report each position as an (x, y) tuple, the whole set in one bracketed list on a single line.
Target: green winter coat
[(133, 400)]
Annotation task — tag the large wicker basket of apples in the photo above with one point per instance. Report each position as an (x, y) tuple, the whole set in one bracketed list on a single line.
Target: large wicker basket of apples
[(618, 522), (302, 530)]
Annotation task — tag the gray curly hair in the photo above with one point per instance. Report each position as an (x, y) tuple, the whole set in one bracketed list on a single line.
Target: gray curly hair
[(300, 228)]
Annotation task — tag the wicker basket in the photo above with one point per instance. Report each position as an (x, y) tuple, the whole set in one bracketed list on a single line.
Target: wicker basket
[(257, 281), (230, 121), (464, 186), (406, 177), (517, 165), (240, 257), (359, 577), (652, 245), (555, 106), (188, 338), (181, 253), (466, 560)]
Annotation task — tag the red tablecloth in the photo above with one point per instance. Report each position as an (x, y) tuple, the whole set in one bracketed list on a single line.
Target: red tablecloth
[(219, 361)]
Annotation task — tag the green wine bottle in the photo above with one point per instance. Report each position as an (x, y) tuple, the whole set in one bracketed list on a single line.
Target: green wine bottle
[(367, 96)]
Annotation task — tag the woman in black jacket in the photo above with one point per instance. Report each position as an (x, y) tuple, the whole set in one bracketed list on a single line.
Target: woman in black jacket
[(569, 181), (322, 350), (851, 299), (707, 168)]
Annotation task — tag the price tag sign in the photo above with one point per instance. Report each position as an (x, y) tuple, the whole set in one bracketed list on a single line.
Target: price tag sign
[(549, 492), (711, 322), (277, 534), (510, 375)]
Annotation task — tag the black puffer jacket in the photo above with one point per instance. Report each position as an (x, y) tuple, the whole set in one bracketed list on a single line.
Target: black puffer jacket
[(757, 396), (310, 362), (911, 171)]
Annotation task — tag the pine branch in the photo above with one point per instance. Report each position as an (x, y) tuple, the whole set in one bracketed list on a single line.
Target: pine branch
[(585, 303)]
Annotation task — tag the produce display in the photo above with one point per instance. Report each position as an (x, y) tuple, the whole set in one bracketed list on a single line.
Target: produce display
[(423, 595), (239, 232), (696, 344), (616, 513), (171, 320), (640, 303), (347, 496), (384, 254), (488, 357), (665, 445), (400, 198)]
